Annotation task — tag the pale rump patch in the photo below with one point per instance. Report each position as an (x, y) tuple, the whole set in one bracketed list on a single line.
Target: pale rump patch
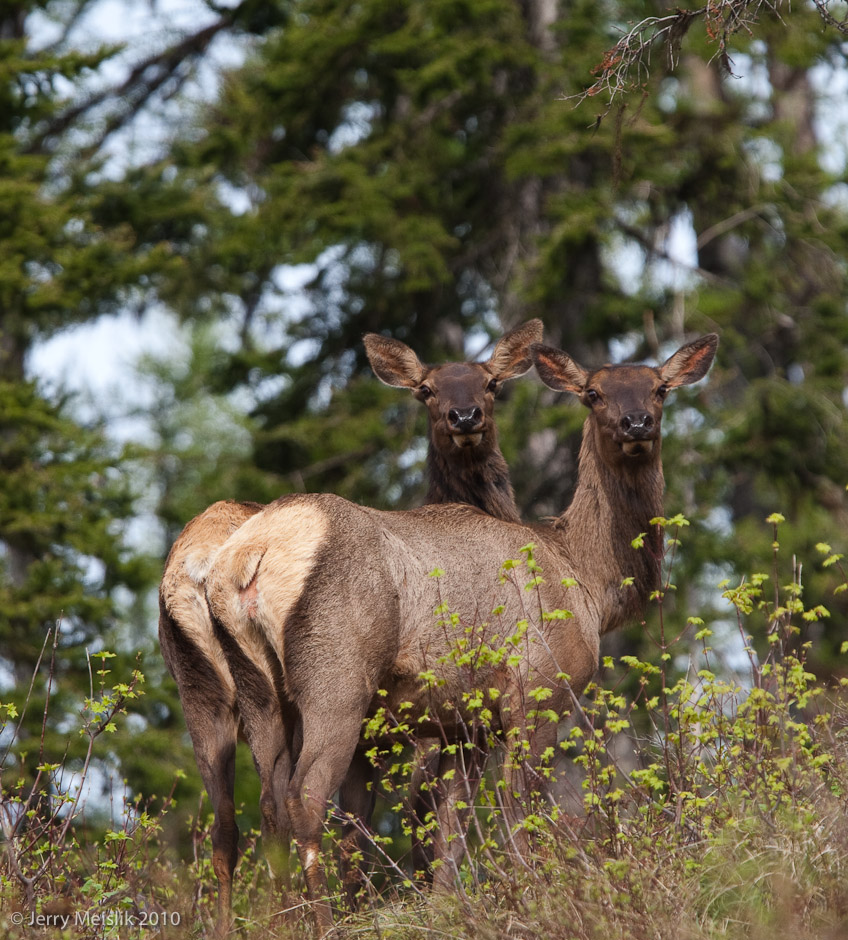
[(259, 574), (184, 579), (187, 606)]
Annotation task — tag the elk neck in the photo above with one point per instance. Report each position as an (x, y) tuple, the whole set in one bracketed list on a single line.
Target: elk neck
[(478, 476), (612, 505)]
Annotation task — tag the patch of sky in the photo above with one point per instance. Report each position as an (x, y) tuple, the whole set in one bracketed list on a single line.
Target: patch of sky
[(836, 197), (414, 455), (795, 374), (143, 29), (830, 82), (668, 94), (727, 645), (96, 362), (625, 258), (682, 421), (355, 126), (477, 343), (236, 198), (767, 155), (720, 520), (673, 267), (98, 792), (750, 82), (623, 348), (479, 301)]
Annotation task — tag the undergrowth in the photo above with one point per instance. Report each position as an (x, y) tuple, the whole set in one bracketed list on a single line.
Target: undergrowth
[(731, 820)]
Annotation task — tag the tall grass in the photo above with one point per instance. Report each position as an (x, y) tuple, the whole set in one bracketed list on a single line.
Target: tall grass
[(730, 820)]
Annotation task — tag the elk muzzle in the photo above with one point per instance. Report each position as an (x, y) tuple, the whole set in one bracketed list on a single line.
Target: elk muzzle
[(638, 430), (466, 426)]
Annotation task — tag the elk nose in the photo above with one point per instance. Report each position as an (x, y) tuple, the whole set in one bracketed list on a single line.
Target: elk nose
[(465, 420), (637, 424)]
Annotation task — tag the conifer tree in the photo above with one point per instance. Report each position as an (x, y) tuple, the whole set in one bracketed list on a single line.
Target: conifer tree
[(66, 258), (441, 171)]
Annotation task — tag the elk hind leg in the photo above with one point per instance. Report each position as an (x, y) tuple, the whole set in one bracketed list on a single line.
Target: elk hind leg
[(272, 758), (328, 747), (215, 753)]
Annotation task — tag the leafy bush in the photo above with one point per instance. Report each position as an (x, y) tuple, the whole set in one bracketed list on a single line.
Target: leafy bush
[(712, 804)]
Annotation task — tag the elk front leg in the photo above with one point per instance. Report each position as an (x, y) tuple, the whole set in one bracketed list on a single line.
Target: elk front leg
[(460, 771), (356, 801), (525, 773)]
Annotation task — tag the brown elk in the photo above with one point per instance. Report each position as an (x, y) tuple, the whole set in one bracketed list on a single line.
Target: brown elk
[(341, 593), (464, 461), (465, 464), (206, 688)]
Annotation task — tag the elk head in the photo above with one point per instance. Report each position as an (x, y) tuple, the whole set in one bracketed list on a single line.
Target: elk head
[(459, 396), (626, 401)]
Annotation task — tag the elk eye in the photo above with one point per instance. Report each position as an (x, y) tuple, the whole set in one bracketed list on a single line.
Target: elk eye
[(662, 391), (425, 391), (492, 386), (592, 396)]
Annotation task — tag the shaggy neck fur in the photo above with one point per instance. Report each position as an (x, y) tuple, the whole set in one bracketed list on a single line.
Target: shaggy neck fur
[(611, 507), (477, 475)]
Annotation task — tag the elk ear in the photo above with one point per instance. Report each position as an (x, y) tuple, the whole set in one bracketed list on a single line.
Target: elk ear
[(558, 370), (393, 362), (511, 356), (690, 362)]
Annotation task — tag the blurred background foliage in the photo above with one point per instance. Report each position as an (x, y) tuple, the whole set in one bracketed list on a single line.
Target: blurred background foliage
[(436, 172)]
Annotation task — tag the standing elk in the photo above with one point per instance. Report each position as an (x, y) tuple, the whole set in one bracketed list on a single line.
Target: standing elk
[(465, 465), (340, 595), (204, 682)]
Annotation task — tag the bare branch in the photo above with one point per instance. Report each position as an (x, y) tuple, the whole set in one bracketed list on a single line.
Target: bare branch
[(830, 19), (145, 79), (627, 64)]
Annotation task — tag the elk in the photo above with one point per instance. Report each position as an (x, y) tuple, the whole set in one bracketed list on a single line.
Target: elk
[(464, 461), (338, 598), (204, 682), (465, 465)]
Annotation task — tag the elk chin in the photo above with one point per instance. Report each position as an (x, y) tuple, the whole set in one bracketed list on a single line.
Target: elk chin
[(467, 440), (637, 448)]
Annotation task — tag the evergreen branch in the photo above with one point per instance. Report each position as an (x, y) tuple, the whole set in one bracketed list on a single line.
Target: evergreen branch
[(720, 228)]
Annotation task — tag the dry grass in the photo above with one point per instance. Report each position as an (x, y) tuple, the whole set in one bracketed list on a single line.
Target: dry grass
[(732, 823)]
